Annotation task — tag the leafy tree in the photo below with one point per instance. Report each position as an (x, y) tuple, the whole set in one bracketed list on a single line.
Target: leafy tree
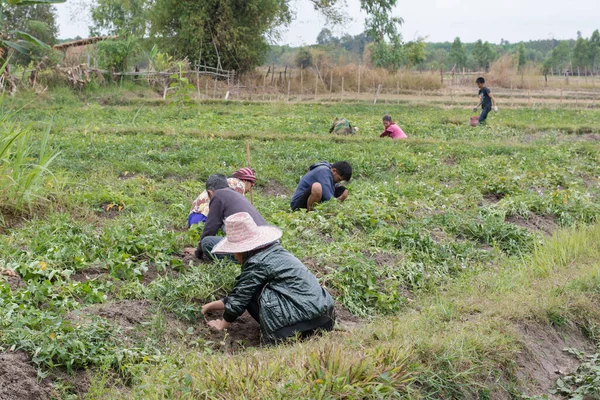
[(483, 54), (581, 55), (38, 20), (415, 52), (325, 37), (458, 55), (561, 55), (115, 55), (521, 57), (232, 32), (120, 17), (229, 31), (594, 49), (390, 56), (17, 39), (356, 44), (304, 58), (546, 68)]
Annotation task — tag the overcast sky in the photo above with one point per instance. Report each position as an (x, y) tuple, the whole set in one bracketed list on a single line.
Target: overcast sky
[(437, 20)]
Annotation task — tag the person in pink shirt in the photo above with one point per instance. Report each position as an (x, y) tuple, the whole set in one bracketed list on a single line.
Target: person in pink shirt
[(391, 129)]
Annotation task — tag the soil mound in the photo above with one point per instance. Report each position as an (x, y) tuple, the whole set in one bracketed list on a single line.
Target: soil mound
[(535, 223), (18, 379), (274, 188), (542, 359)]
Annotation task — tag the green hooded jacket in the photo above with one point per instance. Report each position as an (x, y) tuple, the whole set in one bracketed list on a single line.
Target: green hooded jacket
[(288, 293)]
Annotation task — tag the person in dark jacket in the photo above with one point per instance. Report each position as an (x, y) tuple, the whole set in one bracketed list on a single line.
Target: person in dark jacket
[(224, 202), (319, 184), (276, 289)]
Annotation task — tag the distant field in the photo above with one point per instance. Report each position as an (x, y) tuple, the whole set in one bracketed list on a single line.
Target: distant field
[(104, 285)]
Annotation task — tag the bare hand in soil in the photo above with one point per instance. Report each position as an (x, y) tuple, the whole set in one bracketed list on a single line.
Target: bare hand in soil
[(213, 305), (219, 324), (189, 251)]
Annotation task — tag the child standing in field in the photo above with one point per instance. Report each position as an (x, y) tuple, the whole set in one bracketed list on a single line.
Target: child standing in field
[(391, 129), (486, 100)]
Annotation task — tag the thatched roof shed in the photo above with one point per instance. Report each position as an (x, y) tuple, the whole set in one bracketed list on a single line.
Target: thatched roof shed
[(82, 42)]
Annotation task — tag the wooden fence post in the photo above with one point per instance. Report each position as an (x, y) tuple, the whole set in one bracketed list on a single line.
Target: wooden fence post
[(377, 94), (301, 80), (198, 78), (316, 85), (288, 96), (358, 78), (215, 89)]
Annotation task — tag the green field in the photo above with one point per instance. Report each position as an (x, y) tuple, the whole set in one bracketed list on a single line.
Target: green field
[(449, 244)]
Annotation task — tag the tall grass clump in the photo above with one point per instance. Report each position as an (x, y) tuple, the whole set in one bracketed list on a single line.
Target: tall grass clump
[(24, 165)]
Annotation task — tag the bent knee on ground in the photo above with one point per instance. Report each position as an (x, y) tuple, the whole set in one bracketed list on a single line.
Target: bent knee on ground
[(316, 190)]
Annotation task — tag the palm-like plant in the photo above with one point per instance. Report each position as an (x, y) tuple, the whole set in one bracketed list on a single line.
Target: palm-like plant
[(19, 40)]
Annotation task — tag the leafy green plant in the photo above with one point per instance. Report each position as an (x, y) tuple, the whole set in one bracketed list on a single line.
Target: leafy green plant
[(585, 381), (180, 88)]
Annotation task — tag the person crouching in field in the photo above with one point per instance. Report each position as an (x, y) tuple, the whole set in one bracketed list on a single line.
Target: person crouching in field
[(224, 202), (276, 289), (319, 184), (241, 181), (486, 100), (341, 126), (391, 129)]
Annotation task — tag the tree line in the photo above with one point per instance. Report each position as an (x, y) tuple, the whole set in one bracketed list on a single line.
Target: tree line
[(236, 34), (559, 56)]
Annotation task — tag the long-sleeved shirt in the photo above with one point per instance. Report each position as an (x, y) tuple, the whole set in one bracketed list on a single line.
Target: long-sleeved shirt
[(288, 292), (200, 205), (394, 131), (226, 202)]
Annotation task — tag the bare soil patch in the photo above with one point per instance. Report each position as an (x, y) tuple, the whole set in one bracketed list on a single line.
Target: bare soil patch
[(492, 198), (243, 333), (542, 359), (450, 161), (582, 137), (90, 274), (12, 278), (275, 188), (345, 319), (382, 259), (152, 273), (109, 210), (9, 219), (535, 223), (126, 175), (18, 379), (189, 256)]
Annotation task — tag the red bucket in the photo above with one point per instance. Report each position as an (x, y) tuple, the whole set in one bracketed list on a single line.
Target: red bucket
[(474, 121)]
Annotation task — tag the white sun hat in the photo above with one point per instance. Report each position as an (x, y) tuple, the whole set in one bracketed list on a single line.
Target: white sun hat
[(244, 235)]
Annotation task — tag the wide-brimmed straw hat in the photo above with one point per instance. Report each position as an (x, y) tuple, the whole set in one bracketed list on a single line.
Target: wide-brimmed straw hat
[(245, 174), (243, 235)]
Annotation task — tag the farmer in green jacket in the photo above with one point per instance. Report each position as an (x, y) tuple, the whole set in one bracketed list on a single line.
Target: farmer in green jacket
[(278, 291)]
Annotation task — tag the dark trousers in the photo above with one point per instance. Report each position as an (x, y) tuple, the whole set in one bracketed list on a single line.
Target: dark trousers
[(484, 113)]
